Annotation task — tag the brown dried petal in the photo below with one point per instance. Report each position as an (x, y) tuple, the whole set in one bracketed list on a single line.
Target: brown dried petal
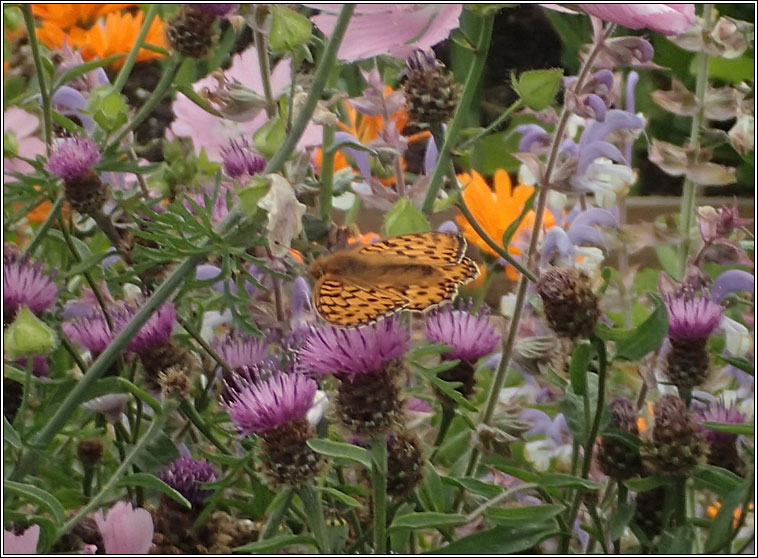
[(678, 99), (711, 174), (670, 158)]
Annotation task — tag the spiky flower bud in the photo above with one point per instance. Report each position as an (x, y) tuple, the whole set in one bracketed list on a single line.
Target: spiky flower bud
[(192, 32), (677, 445), (617, 459), (73, 160), (430, 91), (691, 322), (571, 308)]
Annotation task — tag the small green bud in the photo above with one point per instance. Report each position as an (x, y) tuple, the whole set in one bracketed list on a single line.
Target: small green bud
[(28, 335), (289, 30), (270, 137), (108, 108), (10, 144), (538, 88)]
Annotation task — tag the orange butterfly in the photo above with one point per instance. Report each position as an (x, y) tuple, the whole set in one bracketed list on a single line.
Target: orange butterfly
[(407, 272)]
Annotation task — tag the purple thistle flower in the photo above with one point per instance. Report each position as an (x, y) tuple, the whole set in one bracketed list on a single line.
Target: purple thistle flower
[(40, 366), (26, 284), (471, 335), (156, 331), (91, 332), (719, 412), (73, 158), (240, 159), (218, 10), (241, 352), (332, 350), (695, 318), (186, 475), (261, 405)]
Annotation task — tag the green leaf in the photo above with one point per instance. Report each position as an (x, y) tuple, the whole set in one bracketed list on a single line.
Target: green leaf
[(678, 542), (747, 366), (268, 546), (82, 69), (192, 95), (10, 435), (621, 518), (474, 486), (524, 514), (630, 440), (580, 363), (405, 218), (497, 541), (349, 501), (289, 30), (39, 497), (341, 450), (721, 481), (538, 88), (647, 483), (643, 339), (151, 481), (158, 453), (270, 136), (745, 429), (561, 480), (427, 520), (447, 388)]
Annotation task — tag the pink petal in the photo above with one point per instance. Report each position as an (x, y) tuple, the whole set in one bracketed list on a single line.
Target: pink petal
[(668, 19), (125, 530), (20, 122), (25, 543)]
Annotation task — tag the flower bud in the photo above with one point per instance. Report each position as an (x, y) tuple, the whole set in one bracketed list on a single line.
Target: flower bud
[(430, 92), (192, 32), (571, 308)]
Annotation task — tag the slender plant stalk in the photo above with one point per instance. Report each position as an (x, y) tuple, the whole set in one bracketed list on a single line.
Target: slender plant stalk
[(189, 412), (261, 47), (204, 344), (510, 340), (319, 81), (155, 428), (47, 223), (326, 174), (47, 106), (379, 485), (469, 89), (689, 190), (155, 97), (275, 519), (78, 394), (315, 513), (126, 69), (517, 104), (27, 388)]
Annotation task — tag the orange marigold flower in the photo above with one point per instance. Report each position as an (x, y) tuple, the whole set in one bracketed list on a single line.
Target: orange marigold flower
[(495, 211), (75, 15), (113, 34)]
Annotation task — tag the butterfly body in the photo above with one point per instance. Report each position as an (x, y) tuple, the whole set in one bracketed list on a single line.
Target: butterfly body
[(408, 272)]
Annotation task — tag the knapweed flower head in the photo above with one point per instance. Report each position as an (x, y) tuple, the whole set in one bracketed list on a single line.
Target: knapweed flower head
[(240, 159), (724, 452), (186, 475), (677, 445), (25, 283), (618, 460), (353, 351), (431, 93), (73, 158), (571, 307), (257, 405), (156, 331), (471, 335), (693, 318), (241, 352)]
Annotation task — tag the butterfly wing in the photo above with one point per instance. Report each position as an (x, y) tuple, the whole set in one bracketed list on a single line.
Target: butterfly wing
[(433, 248), (443, 285), (342, 302)]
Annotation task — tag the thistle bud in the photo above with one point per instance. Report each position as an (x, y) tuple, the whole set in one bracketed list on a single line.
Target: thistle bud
[(617, 459), (90, 451), (192, 32), (73, 160), (430, 91), (571, 308), (677, 444)]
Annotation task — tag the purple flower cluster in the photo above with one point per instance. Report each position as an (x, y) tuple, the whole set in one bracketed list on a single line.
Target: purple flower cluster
[(26, 284), (261, 405), (692, 318), (73, 158), (351, 351), (241, 352), (470, 335), (240, 159), (186, 475)]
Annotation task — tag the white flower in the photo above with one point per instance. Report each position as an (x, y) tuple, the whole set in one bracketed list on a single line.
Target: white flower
[(607, 180), (320, 404), (739, 341)]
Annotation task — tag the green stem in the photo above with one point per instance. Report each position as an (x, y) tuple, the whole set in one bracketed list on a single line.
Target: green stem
[(689, 190), (47, 106), (448, 414), (189, 412), (379, 485), (76, 396), (499, 498), (517, 104), (319, 81), (155, 428), (453, 130), (126, 69), (315, 513), (261, 47), (204, 344), (589, 444), (27, 388), (326, 175), (42, 231), (275, 519), (679, 492), (158, 92), (622, 497)]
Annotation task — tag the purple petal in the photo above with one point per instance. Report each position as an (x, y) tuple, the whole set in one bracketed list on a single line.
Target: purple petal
[(631, 84), (615, 120), (70, 98), (556, 239), (597, 105), (582, 235), (448, 227), (430, 156), (590, 152), (531, 133), (595, 216), (730, 281), (360, 157)]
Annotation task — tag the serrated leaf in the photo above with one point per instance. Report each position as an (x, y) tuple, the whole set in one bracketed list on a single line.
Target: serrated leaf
[(342, 450), (151, 481)]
